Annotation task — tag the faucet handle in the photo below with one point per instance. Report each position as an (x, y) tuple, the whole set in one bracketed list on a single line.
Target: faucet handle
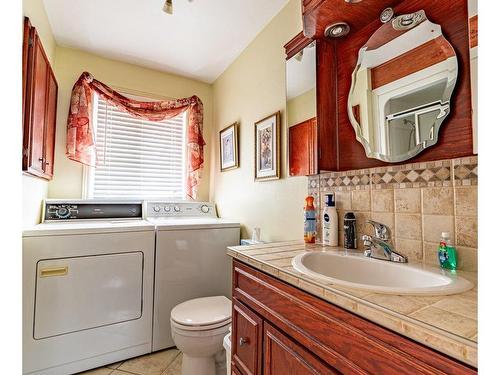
[(382, 231)]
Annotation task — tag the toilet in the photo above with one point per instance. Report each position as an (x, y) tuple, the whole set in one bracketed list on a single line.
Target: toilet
[(198, 329)]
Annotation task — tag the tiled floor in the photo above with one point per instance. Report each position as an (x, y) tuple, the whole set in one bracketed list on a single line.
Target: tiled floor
[(166, 362)]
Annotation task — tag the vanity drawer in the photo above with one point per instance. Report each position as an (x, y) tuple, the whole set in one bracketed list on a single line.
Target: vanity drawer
[(347, 342), (246, 340), (281, 353)]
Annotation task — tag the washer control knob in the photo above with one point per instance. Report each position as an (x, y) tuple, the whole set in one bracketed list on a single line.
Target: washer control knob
[(156, 208), (177, 208), (204, 208), (62, 212), (167, 208)]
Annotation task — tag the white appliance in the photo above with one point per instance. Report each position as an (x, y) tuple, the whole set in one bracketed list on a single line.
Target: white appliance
[(87, 286), (191, 260)]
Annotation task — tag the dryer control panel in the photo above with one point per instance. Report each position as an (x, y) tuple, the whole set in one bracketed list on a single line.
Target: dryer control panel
[(180, 209), (90, 210)]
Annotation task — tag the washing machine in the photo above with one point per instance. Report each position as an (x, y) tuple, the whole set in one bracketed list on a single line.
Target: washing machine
[(87, 286), (190, 259)]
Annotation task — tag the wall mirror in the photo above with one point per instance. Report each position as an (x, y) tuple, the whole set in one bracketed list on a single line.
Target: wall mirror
[(401, 87), (301, 111), (301, 85)]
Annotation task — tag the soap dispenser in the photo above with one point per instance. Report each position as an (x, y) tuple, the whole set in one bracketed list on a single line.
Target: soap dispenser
[(447, 254), (330, 222)]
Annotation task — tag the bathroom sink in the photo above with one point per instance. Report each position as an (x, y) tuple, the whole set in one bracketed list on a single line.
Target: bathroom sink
[(357, 271)]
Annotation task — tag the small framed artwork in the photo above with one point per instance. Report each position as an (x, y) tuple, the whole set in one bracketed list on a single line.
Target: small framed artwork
[(267, 148), (228, 141)]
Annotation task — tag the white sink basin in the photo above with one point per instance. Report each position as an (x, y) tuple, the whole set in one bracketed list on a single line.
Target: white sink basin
[(378, 276)]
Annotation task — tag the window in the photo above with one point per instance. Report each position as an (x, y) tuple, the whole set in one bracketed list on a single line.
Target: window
[(136, 158)]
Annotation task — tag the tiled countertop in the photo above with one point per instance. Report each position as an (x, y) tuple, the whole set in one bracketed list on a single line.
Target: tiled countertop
[(445, 323)]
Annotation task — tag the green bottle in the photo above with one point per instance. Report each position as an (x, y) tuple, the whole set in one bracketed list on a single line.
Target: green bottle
[(447, 254)]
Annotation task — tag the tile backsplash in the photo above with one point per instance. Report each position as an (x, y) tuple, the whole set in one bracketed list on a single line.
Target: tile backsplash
[(417, 201)]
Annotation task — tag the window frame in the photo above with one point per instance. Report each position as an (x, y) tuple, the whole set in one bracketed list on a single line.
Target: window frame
[(88, 172)]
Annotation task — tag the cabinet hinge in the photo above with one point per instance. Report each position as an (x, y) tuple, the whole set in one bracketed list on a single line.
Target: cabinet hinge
[(25, 152)]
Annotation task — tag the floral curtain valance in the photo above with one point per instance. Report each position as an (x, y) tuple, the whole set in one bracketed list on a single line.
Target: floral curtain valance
[(80, 135)]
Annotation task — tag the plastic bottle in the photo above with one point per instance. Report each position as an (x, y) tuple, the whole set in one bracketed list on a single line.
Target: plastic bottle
[(447, 254), (309, 221), (330, 222), (350, 240)]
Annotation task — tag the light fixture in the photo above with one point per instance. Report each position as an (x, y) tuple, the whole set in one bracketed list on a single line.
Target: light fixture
[(386, 15), (337, 30), (299, 56), (168, 7)]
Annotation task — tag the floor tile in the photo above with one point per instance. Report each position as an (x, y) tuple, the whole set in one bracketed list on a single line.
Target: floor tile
[(152, 364), (97, 371), (120, 372), (175, 366), (114, 365)]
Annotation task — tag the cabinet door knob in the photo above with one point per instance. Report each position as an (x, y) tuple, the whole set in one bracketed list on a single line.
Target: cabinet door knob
[(243, 341)]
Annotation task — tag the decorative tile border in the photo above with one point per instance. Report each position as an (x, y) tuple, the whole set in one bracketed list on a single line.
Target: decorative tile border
[(348, 180), (459, 172), (412, 175), (465, 171)]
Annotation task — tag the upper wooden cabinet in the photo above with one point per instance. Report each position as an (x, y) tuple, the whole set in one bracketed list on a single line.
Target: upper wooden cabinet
[(39, 106), (337, 146)]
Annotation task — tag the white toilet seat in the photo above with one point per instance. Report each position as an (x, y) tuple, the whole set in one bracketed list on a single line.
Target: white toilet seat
[(202, 313), (209, 327)]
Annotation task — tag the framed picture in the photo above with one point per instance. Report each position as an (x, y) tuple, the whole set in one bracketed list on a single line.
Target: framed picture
[(267, 148), (228, 147)]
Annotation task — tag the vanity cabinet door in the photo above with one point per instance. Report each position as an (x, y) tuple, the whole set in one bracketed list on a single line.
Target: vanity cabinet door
[(246, 340), (282, 356), (302, 148)]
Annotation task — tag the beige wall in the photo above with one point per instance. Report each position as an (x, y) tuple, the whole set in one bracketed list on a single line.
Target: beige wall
[(70, 63), (35, 189), (301, 108), (251, 88)]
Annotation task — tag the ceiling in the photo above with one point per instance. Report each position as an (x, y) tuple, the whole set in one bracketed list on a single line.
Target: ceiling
[(200, 40)]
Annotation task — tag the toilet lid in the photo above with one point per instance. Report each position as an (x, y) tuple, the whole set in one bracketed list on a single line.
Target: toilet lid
[(205, 311)]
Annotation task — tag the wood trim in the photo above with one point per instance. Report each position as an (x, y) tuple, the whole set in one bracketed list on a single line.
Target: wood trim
[(308, 361), (473, 32), (345, 341), (27, 88), (326, 105), (419, 58), (253, 368), (296, 44), (318, 14)]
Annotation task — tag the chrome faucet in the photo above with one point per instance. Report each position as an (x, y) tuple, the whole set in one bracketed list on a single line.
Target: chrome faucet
[(379, 246)]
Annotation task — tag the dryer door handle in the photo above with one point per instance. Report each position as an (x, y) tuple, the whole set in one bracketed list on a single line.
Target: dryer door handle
[(54, 271)]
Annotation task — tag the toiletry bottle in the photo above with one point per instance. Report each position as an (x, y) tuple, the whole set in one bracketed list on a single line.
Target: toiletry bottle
[(309, 221), (330, 222), (350, 240), (447, 254)]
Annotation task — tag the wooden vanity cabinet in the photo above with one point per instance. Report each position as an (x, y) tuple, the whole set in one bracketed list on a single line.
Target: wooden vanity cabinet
[(279, 329), (39, 106)]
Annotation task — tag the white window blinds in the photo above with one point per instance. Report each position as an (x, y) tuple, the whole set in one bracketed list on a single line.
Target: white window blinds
[(137, 158)]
